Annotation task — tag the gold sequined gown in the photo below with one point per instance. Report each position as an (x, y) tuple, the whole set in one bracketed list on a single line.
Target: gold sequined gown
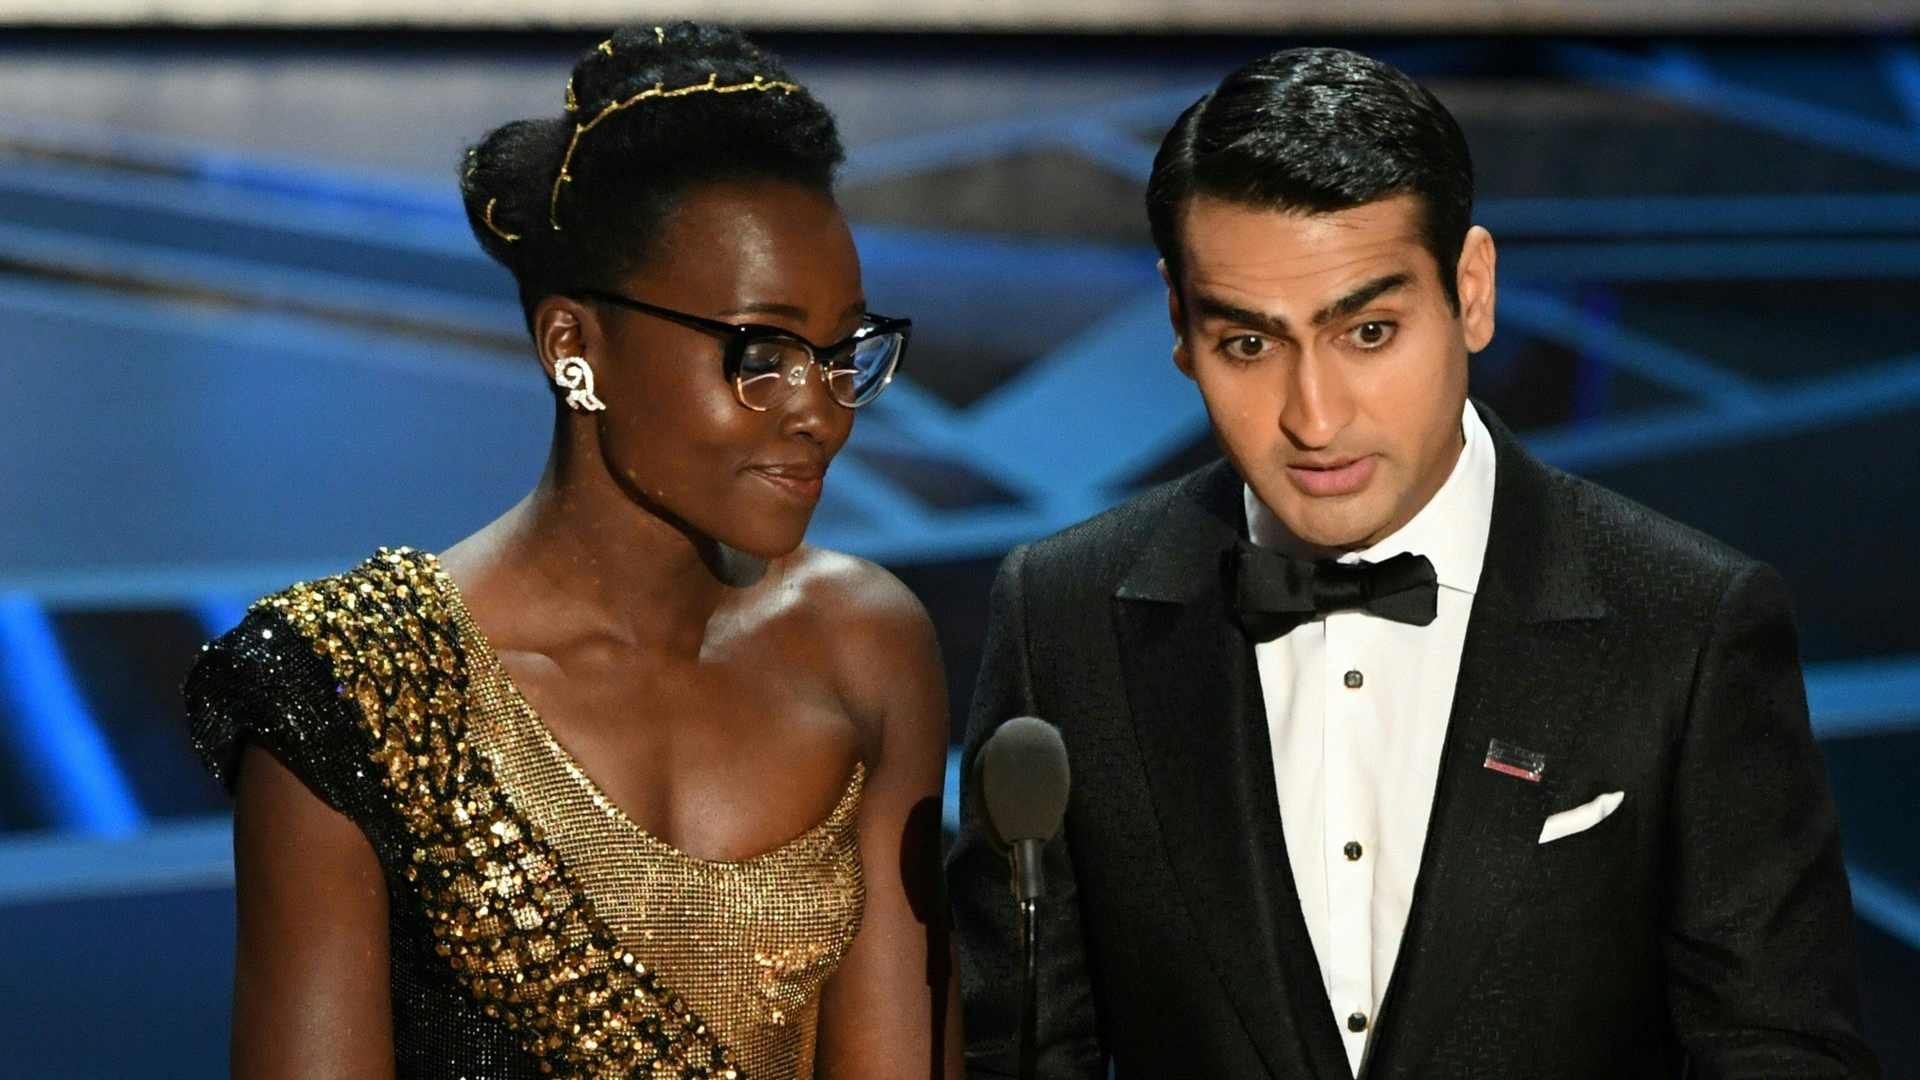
[(535, 930)]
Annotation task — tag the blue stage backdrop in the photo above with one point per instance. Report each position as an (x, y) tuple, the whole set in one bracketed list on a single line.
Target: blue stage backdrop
[(248, 338)]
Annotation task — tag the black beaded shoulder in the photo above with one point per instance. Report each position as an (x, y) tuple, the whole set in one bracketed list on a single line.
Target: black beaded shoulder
[(262, 682), (360, 684)]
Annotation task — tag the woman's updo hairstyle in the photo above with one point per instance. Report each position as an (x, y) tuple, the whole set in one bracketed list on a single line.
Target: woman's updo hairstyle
[(636, 147)]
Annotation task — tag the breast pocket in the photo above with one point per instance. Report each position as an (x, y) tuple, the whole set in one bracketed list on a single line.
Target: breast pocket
[(1582, 818)]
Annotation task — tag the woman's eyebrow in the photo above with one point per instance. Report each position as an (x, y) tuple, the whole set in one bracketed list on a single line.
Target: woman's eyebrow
[(791, 311), (768, 307)]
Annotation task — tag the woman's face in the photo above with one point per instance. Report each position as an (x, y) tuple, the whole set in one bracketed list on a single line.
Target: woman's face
[(673, 433)]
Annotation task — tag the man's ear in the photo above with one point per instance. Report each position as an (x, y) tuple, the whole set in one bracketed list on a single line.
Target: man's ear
[(1474, 278), (1182, 356)]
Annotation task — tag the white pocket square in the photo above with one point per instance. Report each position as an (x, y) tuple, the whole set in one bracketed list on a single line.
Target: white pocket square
[(1580, 818)]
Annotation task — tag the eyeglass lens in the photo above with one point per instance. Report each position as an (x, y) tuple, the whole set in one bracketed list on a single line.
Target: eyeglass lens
[(771, 369)]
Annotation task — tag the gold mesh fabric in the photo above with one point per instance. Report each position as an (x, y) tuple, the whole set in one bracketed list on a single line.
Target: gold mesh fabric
[(512, 919), (747, 945)]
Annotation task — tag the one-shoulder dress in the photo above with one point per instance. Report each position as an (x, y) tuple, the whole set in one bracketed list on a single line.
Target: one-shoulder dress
[(535, 930)]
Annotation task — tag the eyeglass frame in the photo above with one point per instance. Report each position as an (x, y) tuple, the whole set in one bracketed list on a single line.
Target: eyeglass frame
[(736, 337)]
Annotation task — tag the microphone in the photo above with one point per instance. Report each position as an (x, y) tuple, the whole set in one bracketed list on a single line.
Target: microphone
[(1021, 775), (1023, 783)]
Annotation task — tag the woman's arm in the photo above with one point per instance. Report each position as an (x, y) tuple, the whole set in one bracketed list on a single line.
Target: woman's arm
[(892, 1009), (310, 995)]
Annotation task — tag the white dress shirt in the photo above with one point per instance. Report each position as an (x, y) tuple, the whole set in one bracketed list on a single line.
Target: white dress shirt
[(1357, 710)]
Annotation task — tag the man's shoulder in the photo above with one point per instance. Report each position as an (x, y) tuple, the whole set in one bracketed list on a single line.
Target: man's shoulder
[(1641, 556), (1098, 552), (1632, 558)]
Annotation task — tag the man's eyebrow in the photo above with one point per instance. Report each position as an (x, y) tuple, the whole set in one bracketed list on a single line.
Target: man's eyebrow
[(1361, 297), (1215, 308)]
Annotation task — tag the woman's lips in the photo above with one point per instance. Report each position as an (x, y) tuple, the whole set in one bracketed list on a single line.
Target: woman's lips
[(805, 481), (1337, 478)]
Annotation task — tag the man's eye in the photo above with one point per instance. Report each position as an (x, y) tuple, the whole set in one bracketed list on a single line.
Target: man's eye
[(1244, 347), (1372, 335)]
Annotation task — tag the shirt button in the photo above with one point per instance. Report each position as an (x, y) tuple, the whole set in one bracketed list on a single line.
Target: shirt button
[(1352, 851), (1354, 679), (1357, 1022)]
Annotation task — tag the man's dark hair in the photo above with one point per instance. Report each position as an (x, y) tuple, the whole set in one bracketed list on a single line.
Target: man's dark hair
[(1315, 131), (645, 148)]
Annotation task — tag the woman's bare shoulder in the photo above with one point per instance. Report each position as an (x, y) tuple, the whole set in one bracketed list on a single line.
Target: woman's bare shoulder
[(877, 630), (852, 592)]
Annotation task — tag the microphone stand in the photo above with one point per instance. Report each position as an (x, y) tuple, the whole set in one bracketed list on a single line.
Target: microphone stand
[(1029, 986), (1027, 886)]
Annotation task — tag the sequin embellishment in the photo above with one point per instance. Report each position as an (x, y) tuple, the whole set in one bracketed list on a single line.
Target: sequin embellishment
[(506, 913), (748, 944)]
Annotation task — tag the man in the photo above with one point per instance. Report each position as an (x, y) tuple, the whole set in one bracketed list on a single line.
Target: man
[(1396, 753)]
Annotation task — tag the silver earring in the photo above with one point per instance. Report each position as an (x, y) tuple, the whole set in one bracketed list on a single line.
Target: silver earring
[(572, 374)]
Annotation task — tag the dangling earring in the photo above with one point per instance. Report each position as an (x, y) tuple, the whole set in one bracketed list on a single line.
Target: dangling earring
[(571, 373)]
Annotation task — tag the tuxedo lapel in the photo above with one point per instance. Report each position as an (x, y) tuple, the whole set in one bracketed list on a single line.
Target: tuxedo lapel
[(1530, 647), (1194, 694)]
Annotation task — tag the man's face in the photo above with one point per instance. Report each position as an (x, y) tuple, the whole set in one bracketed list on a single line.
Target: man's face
[(1332, 365)]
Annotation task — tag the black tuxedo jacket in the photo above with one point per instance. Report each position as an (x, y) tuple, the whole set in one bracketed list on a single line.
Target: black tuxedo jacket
[(1705, 924)]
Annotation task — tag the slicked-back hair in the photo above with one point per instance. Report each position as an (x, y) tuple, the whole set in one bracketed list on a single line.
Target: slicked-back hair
[(1314, 131)]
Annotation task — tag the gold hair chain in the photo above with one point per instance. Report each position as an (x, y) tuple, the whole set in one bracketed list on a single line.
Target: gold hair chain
[(474, 167), (503, 234), (760, 84), (606, 47)]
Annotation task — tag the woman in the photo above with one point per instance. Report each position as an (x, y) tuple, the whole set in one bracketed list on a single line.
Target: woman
[(630, 783)]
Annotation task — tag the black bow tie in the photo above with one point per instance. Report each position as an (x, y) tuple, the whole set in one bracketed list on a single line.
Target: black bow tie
[(1273, 593)]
